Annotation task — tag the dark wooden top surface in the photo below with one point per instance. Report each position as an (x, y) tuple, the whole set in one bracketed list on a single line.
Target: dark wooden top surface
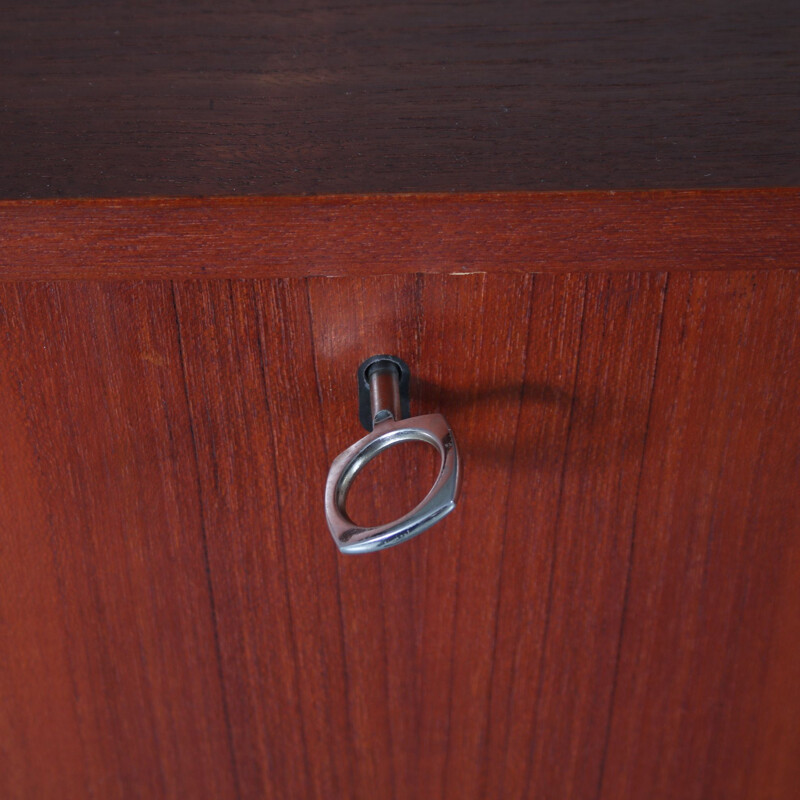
[(198, 98)]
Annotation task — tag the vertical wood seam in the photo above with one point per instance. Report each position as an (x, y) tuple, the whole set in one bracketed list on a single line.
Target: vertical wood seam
[(727, 665), (454, 629), (259, 309), (631, 546), (422, 584), (206, 560), (347, 681), (498, 588), (147, 684), (386, 668), (54, 549), (554, 547)]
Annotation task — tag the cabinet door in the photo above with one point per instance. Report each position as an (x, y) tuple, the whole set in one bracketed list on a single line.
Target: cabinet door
[(610, 612)]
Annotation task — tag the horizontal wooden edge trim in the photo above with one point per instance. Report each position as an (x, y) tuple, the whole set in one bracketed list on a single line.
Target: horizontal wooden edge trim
[(339, 235)]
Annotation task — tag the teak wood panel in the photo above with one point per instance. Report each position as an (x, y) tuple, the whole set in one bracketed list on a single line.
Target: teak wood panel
[(612, 611), (198, 98), (180, 238)]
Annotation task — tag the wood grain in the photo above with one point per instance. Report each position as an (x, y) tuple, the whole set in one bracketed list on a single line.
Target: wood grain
[(611, 612), (384, 234), (703, 588), (200, 98), (110, 671)]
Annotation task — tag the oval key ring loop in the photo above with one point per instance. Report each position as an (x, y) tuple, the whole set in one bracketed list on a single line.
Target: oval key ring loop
[(440, 500)]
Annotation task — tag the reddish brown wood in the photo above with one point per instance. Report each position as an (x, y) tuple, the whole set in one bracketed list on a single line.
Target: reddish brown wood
[(712, 570), (612, 611), (201, 98), (371, 235), (250, 378), (110, 670), (556, 323), (435, 624), (592, 362)]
